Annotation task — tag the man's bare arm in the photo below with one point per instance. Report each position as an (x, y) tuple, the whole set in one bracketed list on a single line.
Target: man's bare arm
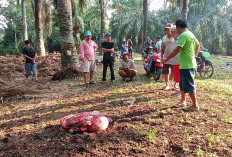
[(108, 50), (173, 54), (197, 50)]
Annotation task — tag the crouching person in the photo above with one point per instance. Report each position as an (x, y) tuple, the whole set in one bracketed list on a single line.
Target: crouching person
[(127, 68)]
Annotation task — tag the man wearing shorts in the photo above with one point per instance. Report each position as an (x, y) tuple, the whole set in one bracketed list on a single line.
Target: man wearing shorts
[(187, 47), (88, 49), (30, 55), (130, 44), (127, 68), (166, 50)]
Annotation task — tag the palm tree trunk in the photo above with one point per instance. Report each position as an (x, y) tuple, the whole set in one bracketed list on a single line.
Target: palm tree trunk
[(145, 10), (103, 12), (40, 49), (185, 10), (68, 49), (24, 20)]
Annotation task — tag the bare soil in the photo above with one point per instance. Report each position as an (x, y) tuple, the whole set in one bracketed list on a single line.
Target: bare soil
[(151, 126)]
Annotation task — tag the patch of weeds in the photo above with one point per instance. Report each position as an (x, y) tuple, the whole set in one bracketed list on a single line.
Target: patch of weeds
[(43, 125), (227, 119), (200, 152), (117, 103), (1, 145), (145, 99), (151, 134), (188, 136), (165, 142), (64, 133), (59, 102), (212, 140), (141, 147)]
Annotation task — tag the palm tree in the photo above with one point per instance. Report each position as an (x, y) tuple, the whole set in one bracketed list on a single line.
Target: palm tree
[(103, 12), (78, 13), (185, 10), (145, 12), (39, 28), (24, 20), (68, 49)]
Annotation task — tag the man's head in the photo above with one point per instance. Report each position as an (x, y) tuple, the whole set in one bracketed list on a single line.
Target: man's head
[(174, 32), (124, 42), (158, 38), (108, 37), (88, 35), (126, 57), (130, 37), (27, 42), (181, 26), (148, 38), (168, 28)]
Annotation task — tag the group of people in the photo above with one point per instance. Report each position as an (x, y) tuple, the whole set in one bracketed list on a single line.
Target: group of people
[(88, 48), (178, 50)]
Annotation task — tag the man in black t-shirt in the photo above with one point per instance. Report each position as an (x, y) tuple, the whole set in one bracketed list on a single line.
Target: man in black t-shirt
[(30, 55), (108, 60)]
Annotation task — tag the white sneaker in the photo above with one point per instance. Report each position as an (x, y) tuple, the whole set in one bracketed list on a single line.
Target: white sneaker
[(166, 88)]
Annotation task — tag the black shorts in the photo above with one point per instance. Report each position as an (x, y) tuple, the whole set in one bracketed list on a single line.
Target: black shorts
[(130, 51), (166, 68), (187, 80)]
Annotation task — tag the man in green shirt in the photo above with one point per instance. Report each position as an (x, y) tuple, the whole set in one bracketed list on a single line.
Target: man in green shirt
[(187, 47)]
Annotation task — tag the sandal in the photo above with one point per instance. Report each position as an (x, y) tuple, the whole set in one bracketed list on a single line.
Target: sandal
[(190, 109)]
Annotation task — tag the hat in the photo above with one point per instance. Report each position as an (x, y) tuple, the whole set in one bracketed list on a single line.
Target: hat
[(108, 34), (88, 33), (168, 25), (125, 53), (158, 36), (173, 28)]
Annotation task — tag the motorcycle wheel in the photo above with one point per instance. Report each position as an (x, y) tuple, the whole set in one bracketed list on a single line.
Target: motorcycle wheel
[(157, 74), (209, 70)]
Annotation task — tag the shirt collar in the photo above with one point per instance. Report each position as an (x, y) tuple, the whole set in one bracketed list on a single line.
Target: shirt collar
[(88, 41)]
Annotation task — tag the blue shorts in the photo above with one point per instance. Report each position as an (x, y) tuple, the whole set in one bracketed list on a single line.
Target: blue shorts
[(187, 80), (30, 67)]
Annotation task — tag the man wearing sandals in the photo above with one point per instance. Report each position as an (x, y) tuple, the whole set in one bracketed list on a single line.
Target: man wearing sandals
[(88, 49), (187, 47)]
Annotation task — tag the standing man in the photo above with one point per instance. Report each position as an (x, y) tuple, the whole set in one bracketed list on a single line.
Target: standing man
[(127, 68), (187, 47), (88, 49), (166, 50), (158, 43), (147, 43), (108, 60), (130, 44), (30, 55)]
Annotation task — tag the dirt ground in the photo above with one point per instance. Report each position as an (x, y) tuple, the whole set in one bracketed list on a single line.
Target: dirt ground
[(151, 126)]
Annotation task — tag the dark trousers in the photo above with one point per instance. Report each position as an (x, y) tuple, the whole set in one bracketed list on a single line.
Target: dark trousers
[(110, 63)]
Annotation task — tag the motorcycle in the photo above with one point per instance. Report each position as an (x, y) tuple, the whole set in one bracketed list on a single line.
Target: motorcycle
[(146, 53), (204, 66), (154, 66)]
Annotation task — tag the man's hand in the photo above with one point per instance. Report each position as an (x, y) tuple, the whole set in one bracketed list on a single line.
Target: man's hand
[(126, 69), (163, 60), (83, 60)]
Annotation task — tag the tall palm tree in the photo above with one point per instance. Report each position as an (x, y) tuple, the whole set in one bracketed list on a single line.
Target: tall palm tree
[(145, 12), (39, 28), (103, 12), (68, 49), (185, 10), (78, 13), (24, 21)]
